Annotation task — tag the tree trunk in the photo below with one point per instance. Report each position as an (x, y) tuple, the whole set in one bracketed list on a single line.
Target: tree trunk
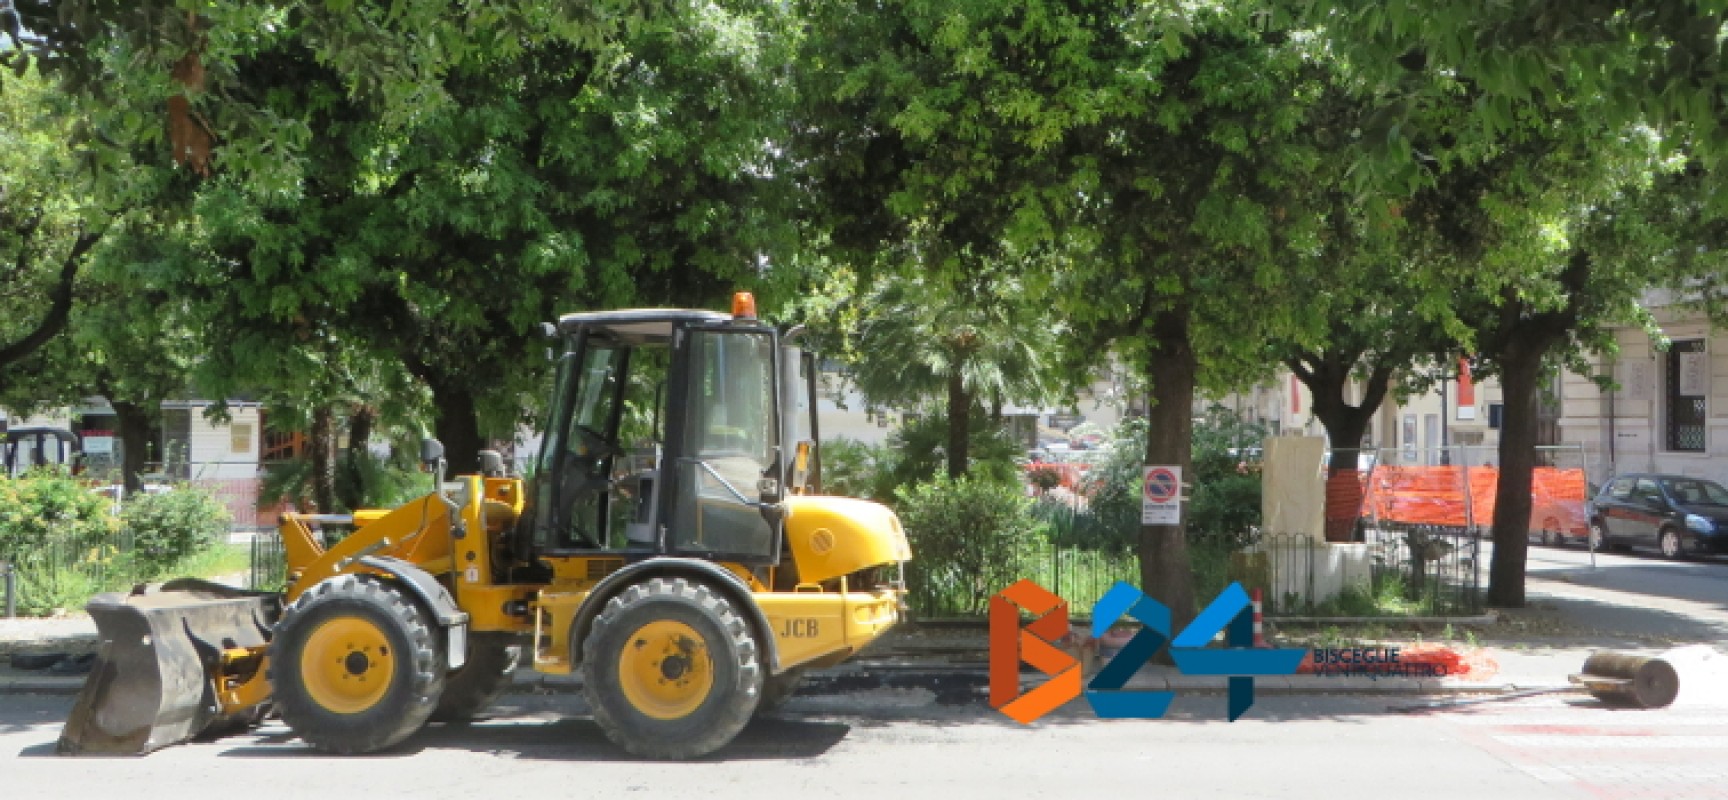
[(959, 425), (352, 486), (134, 424), (1345, 424), (360, 429), (458, 427), (1520, 376), (323, 445), (1166, 572)]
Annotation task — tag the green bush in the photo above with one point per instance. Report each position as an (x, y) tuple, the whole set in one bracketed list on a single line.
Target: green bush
[(852, 468), (49, 506), (62, 539), (920, 447), (969, 537), (1224, 505), (167, 528), (364, 480)]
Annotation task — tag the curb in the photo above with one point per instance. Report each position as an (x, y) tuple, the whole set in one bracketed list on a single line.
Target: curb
[(1489, 618)]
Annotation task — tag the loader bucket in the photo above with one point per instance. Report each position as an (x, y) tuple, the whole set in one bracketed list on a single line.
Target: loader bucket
[(153, 682)]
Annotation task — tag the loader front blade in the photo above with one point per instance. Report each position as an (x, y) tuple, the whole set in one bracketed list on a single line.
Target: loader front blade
[(154, 680)]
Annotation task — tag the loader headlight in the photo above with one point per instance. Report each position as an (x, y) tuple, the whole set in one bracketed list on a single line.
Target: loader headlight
[(1700, 524)]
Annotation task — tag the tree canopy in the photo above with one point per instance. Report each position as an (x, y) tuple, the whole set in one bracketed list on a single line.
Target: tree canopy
[(345, 204)]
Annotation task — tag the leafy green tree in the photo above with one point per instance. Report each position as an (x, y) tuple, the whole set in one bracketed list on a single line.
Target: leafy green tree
[(1536, 131), (1152, 156), (128, 62), (1657, 63), (555, 178), (48, 227)]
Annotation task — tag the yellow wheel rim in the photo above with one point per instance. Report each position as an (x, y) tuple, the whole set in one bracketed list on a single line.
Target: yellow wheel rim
[(665, 671), (347, 665)]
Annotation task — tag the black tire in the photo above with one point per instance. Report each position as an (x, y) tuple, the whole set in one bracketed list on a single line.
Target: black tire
[(390, 622), (1551, 536), (1672, 545), (778, 689), (484, 678), (729, 652)]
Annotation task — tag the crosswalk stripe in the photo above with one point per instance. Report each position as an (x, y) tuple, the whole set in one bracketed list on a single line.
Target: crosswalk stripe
[(1603, 721), (1557, 741), (1555, 773)]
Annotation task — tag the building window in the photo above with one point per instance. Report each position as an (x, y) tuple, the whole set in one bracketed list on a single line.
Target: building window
[(1687, 386)]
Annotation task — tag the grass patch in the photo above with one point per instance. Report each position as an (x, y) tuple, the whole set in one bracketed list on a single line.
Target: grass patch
[(222, 561), (1386, 596), (67, 583)]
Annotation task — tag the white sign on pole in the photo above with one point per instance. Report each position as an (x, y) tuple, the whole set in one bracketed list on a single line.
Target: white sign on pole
[(1161, 496)]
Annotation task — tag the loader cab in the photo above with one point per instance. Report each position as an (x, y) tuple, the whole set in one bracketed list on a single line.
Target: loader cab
[(664, 436)]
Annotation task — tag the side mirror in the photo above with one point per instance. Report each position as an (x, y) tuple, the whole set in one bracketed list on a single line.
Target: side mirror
[(491, 463), (801, 468), (431, 450)]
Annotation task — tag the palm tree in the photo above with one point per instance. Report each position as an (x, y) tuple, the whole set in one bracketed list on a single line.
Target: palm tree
[(969, 341)]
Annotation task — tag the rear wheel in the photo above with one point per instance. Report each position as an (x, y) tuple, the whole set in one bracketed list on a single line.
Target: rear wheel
[(355, 665), (670, 669), (483, 678)]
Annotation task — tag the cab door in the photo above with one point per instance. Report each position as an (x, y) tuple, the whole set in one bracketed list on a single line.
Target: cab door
[(729, 469)]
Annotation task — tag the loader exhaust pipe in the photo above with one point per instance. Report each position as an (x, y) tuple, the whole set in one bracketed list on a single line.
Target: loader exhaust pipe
[(158, 668)]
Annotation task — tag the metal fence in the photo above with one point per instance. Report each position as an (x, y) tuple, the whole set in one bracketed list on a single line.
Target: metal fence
[(1080, 576), (269, 562), (1397, 570), (62, 571)]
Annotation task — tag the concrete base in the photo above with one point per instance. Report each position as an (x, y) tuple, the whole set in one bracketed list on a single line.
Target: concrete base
[(1312, 573)]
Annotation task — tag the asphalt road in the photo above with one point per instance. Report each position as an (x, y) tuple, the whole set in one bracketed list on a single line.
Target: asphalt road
[(1682, 601), (908, 743)]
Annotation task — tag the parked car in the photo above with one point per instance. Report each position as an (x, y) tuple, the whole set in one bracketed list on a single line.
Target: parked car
[(1677, 514)]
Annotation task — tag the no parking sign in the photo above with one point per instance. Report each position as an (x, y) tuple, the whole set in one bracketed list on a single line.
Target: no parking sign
[(1161, 496)]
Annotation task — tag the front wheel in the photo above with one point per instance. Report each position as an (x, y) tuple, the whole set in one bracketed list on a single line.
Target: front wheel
[(355, 665), (1672, 547), (671, 670)]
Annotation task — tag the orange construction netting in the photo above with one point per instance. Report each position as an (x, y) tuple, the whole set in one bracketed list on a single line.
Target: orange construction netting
[(1464, 497)]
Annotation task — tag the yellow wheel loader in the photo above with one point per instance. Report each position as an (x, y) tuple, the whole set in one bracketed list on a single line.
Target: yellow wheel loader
[(671, 545)]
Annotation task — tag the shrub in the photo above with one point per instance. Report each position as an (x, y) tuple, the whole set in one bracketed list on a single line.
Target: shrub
[(968, 539), (1224, 506), (167, 528), (364, 480), (920, 446), (48, 506), (852, 468), (60, 536), (1044, 478)]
